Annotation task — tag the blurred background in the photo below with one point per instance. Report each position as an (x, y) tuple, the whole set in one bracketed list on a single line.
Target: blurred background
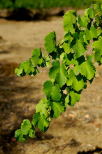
[(39, 9), (23, 26), (39, 4)]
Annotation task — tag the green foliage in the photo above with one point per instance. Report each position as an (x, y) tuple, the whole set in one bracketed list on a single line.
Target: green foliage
[(88, 71), (69, 20), (24, 131), (7, 4), (40, 121), (57, 108), (71, 67), (50, 47), (30, 66), (58, 73), (39, 4), (74, 97)]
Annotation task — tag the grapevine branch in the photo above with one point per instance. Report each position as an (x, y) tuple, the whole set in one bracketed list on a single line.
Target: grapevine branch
[(70, 67)]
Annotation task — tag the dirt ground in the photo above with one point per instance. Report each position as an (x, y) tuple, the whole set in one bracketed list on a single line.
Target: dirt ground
[(77, 131)]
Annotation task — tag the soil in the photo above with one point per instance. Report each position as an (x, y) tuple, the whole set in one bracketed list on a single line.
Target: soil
[(77, 131)]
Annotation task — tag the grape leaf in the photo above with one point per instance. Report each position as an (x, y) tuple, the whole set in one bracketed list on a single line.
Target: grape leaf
[(54, 69), (37, 52), (90, 13), (25, 68), (47, 88), (78, 85), (71, 77), (55, 93), (26, 129), (98, 44), (50, 42), (58, 73), (19, 136), (61, 76), (18, 71), (83, 21), (26, 126), (35, 119), (69, 20), (43, 106), (79, 49), (37, 59), (92, 33), (43, 123), (40, 121), (88, 71), (52, 91), (74, 82), (68, 59), (57, 109), (67, 48), (98, 56), (67, 100), (74, 97), (31, 133)]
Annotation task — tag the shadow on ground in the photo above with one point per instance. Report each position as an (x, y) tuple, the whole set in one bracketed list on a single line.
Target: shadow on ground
[(16, 102), (20, 14)]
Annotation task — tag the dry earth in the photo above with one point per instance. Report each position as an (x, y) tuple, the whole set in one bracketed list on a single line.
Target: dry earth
[(77, 131)]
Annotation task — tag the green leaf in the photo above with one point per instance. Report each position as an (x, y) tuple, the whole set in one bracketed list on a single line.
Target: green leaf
[(50, 42), (71, 77), (40, 121), (47, 61), (25, 127), (36, 58), (47, 88), (69, 20), (55, 93), (78, 85), (43, 123), (68, 37), (68, 59), (74, 82), (35, 119), (36, 52), (52, 91), (83, 21), (25, 130), (57, 109), (91, 33), (90, 13), (67, 48), (61, 76), (19, 136), (76, 69), (87, 69), (35, 61), (98, 44), (67, 100), (26, 67), (58, 73), (74, 97), (43, 107), (32, 133), (54, 69), (79, 49), (98, 56), (18, 71)]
